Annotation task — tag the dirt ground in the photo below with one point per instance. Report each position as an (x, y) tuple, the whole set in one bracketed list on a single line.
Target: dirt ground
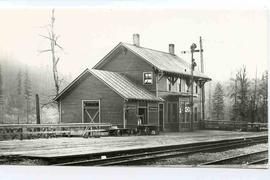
[(78, 145)]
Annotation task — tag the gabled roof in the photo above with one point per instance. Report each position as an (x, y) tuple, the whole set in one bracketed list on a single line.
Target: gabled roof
[(163, 61), (118, 83)]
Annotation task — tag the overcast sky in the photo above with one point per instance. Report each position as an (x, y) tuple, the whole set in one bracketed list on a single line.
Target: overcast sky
[(231, 38)]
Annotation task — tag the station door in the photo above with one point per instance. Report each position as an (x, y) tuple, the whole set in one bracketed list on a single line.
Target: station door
[(91, 112)]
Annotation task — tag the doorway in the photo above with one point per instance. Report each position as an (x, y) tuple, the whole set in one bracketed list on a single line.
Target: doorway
[(91, 111), (161, 116), (172, 112), (142, 113)]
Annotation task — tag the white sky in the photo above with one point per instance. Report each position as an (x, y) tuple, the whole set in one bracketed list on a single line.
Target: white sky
[(232, 37)]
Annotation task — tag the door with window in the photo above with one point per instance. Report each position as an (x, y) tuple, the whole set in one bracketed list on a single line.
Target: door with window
[(91, 111), (142, 113), (161, 116), (172, 112)]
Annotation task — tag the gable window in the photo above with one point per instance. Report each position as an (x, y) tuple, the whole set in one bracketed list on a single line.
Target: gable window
[(147, 78)]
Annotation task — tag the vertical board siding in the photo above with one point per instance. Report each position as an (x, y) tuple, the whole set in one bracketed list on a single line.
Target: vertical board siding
[(111, 104)]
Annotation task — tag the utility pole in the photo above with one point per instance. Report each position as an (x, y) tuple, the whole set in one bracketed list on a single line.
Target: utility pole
[(192, 67), (202, 70), (193, 64)]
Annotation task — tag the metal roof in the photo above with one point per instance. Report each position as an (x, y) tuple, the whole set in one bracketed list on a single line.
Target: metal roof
[(123, 86), (164, 61), (118, 83)]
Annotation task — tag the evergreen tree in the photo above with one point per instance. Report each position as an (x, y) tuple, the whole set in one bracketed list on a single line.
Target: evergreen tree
[(19, 80), (218, 102), (27, 93), (19, 99), (1, 98)]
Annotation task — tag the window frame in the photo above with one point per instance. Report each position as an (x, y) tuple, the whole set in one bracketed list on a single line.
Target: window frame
[(144, 78)]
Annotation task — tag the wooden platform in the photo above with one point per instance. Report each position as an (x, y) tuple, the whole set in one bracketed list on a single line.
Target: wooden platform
[(70, 146)]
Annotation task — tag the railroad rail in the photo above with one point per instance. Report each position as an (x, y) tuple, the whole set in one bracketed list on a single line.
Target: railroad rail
[(137, 156), (259, 157)]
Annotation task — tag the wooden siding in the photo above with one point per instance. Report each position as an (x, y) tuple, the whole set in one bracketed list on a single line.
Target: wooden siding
[(131, 66), (91, 88), (131, 116), (175, 126)]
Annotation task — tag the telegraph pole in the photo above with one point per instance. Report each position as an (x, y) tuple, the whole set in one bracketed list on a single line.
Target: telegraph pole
[(202, 70), (193, 64)]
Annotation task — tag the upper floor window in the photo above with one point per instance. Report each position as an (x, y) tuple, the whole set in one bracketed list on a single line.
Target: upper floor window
[(170, 86), (147, 78), (180, 85)]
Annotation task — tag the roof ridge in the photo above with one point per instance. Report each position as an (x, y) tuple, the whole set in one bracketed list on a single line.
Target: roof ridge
[(149, 49), (174, 55)]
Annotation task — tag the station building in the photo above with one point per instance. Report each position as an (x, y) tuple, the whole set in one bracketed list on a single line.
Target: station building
[(134, 83)]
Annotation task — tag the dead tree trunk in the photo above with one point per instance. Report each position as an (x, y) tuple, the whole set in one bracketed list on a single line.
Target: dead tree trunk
[(52, 37)]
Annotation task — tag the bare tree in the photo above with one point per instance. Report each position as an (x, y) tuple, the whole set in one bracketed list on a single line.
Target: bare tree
[(52, 37), (243, 93), (233, 95), (263, 98)]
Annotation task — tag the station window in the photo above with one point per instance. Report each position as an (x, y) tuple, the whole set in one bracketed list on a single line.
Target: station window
[(147, 78), (170, 86)]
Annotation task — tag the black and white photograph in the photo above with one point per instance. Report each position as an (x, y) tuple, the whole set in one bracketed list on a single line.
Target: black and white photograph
[(103, 85)]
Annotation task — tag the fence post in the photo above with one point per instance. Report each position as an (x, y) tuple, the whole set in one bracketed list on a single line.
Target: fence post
[(37, 109)]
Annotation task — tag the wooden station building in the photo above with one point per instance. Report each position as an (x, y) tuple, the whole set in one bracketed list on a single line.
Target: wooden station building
[(131, 83)]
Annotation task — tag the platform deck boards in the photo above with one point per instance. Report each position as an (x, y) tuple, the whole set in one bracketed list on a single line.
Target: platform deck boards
[(77, 145)]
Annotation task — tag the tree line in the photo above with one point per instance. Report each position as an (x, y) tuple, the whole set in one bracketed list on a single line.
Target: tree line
[(19, 83), (239, 99)]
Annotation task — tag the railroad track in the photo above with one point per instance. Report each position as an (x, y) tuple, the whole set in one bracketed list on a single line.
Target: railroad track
[(137, 156), (260, 157)]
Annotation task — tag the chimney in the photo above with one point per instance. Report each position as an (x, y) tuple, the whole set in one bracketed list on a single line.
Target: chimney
[(171, 49), (136, 39)]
